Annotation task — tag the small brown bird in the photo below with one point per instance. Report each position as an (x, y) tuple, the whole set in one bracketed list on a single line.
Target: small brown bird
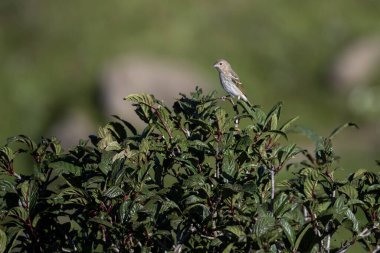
[(230, 80)]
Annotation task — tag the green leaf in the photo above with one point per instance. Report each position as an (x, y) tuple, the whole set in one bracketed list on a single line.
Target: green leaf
[(127, 124), (340, 128), (280, 203), (350, 191), (107, 141), (273, 116), (216, 242), (289, 231), (24, 139), (374, 187), (357, 173), (235, 188), (118, 131), (3, 241), (193, 199), (19, 212), (263, 225), (201, 210), (113, 192), (105, 164), (32, 194), (237, 231), (144, 104), (321, 207), (94, 182), (36, 219), (195, 182), (7, 186), (288, 152), (370, 200), (355, 202), (220, 115), (6, 154), (164, 122), (168, 205), (101, 221), (124, 210), (308, 188), (199, 145), (287, 124), (228, 248), (71, 195), (355, 223), (300, 236), (56, 146), (62, 167), (339, 205), (277, 133), (244, 143)]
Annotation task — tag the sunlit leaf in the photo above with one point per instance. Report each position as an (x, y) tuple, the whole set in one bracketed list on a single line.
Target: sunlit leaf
[(7, 186), (263, 225), (351, 216), (190, 181), (24, 139), (273, 116), (105, 164), (3, 241), (289, 231), (357, 173), (144, 104), (374, 187), (62, 167), (309, 188), (113, 192), (350, 191)]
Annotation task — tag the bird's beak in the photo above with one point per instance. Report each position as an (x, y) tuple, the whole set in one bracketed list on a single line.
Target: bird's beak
[(215, 65)]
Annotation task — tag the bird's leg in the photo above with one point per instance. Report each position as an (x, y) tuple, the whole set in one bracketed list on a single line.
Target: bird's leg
[(232, 102), (236, 120)]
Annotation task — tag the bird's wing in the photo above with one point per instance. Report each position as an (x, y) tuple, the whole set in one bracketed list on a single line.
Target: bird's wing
[(236, 80)]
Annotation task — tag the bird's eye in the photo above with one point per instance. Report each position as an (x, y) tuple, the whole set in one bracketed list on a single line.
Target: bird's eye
[(220, 63)]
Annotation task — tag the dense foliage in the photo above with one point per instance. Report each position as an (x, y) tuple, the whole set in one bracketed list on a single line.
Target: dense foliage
[(192, 181)]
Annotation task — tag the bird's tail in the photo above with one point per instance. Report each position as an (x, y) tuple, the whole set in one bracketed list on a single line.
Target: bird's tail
[(246, 100)]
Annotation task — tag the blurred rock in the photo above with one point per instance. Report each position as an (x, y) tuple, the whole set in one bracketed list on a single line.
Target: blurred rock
[(72, 127), (142, 74), (357, 64)]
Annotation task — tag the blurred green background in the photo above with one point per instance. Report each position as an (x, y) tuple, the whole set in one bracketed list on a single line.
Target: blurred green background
[(321, 58)]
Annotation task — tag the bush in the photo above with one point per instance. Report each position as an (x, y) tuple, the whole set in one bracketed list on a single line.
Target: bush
[(191, 181)]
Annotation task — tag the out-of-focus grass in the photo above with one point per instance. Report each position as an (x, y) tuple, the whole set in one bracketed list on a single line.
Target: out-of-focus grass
[(52, 53)]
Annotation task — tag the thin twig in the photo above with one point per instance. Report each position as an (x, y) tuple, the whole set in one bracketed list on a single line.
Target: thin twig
[(365, 233), (164, 123), (271, 171), (272, 181)]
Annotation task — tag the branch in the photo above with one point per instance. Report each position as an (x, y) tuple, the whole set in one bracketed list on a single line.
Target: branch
[(363, 234)]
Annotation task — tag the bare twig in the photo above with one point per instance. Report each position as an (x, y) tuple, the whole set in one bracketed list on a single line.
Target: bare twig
[(365, 233)]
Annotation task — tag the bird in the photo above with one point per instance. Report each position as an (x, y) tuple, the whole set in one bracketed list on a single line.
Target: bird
[(230, 80)]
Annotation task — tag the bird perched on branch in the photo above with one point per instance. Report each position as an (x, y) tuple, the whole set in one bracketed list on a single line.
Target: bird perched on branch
[(230, 80)]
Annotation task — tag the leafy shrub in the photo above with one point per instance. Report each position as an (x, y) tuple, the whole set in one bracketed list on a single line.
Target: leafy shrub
[(191, 181)]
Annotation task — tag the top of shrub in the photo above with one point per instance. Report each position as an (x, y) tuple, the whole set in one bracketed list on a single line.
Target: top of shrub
[(191, 181)]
